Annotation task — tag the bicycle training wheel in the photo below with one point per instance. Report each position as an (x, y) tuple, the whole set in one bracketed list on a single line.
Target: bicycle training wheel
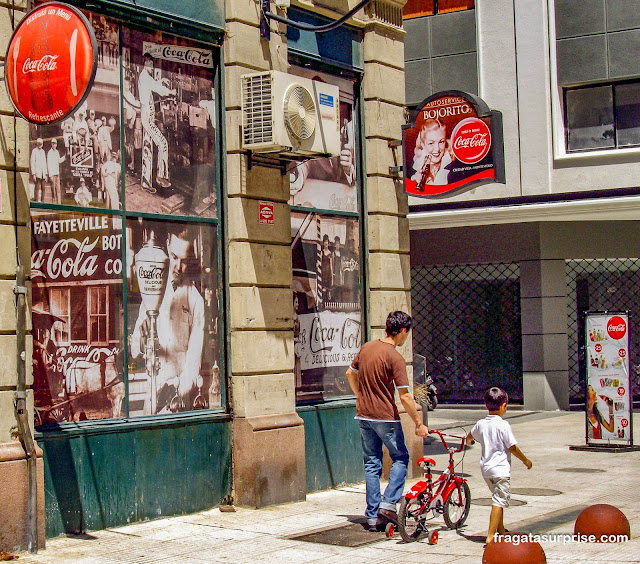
[(410, 520), (456, 508)]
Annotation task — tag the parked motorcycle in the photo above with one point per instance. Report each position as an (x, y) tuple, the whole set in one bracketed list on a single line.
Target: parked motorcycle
[(424, 389)]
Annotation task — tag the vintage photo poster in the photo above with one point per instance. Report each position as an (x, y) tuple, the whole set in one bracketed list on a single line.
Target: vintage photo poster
[(169, 125), (77, 161), (327, 303), (174, 344), (453, 142), (76, 272), (329, 183), (608, 395)]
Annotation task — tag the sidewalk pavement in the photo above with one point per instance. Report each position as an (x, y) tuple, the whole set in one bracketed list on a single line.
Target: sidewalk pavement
[(545, 500)]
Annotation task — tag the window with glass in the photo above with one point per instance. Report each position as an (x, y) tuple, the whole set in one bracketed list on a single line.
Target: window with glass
[(419, 8), (602, 117), (126, 236), (326, 257)]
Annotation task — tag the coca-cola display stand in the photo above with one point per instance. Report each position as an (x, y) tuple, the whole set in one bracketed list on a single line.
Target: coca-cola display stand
[(152, 268), (608, 395)]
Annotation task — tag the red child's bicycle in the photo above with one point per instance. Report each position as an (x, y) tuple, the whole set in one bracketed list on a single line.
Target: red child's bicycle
[(448, 495)]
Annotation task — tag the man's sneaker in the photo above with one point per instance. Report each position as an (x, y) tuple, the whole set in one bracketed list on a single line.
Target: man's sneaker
[(389, 515)]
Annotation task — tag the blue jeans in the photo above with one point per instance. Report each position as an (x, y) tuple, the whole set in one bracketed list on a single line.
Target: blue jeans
[(374, 434)]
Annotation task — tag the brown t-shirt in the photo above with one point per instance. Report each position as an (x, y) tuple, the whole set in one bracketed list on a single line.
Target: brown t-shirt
[(379, 367)]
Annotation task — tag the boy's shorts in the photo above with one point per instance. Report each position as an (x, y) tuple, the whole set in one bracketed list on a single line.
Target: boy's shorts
[(500, 491)]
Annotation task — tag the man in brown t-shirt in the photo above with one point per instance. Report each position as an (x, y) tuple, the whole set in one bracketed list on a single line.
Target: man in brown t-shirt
[(373, 374)]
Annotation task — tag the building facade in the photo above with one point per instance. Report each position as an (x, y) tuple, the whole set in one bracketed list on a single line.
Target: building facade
[(192, 306), (503, 273)]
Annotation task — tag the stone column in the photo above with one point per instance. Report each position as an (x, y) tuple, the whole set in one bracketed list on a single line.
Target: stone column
[(268, 435), (387, 227), (14, 234), (543, 305)]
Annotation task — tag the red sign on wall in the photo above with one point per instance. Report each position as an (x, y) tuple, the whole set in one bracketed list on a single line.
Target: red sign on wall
[(453, 141), (51, 62), (266, 213)]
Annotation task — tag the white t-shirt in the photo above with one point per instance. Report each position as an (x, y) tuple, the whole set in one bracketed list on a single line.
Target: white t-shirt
[(496, 438)]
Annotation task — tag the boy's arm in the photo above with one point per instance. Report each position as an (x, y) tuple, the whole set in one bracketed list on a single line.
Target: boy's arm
[(520, 455), (470, 440)]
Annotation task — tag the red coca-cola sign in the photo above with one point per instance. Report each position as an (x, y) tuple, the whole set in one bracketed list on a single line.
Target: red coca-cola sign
[(616, 327), (454, 141), (470, 140), (51, 62)]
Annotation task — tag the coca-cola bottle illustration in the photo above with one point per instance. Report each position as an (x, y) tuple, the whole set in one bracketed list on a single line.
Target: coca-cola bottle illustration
[(152, 268), (41, 99)]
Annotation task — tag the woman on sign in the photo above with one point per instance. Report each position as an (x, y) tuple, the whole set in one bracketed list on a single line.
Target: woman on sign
[(594, 417), (431, 155)]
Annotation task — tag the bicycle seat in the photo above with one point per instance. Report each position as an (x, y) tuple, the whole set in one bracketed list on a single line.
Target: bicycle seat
[(426, 461)]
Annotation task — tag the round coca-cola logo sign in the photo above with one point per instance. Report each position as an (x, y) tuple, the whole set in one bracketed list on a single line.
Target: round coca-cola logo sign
[(470, 140), (616, 327), (51, 62)]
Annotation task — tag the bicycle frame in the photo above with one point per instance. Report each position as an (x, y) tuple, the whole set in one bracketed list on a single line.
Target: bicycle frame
[(444, 485)]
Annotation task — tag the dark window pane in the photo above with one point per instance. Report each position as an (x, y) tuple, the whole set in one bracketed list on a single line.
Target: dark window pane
[(590, 118), (628, 114)]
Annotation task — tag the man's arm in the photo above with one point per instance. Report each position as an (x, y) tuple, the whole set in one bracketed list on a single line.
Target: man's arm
[(520, 456), (193, 356), (352, 376), (410, 407)]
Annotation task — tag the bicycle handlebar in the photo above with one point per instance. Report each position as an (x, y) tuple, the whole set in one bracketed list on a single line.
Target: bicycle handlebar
[(446, 446)]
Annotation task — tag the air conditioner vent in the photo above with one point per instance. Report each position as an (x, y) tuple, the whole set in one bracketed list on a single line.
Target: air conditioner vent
[(299, 111), (257, 93)]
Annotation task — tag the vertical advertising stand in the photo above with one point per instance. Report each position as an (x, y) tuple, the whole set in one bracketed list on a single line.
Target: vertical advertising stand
[(608, 398)]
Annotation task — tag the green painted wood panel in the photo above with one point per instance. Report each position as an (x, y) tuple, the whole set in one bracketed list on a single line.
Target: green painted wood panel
[(103, 478), (332, 446)]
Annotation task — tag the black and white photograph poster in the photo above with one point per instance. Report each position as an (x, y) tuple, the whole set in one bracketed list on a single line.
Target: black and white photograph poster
[(326, 297), (169, 125), (76, 162), (78, 344), (329, 183), (174, 346)]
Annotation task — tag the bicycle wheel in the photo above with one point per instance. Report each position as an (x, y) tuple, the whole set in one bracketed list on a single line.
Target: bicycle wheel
[(410, 520), (456, 508)]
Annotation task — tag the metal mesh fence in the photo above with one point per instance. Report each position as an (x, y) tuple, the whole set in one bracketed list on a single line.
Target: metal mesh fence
[(467, 326), (601, 285)]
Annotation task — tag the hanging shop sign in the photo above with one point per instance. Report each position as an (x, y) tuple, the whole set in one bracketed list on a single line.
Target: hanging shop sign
[(51, 63), (608, 395), (453, 141)]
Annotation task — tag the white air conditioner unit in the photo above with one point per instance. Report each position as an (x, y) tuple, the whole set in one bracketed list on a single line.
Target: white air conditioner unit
[(282, 113)]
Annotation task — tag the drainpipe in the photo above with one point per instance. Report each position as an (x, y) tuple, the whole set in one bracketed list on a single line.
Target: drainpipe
[(21, 413)]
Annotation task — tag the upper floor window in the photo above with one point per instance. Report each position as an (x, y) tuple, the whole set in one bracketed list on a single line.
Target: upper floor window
[(418, 8), (602, 117)]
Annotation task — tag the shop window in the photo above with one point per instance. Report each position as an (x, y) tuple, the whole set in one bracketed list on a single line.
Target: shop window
[(326, 257), (138, 160), (603, 117), (418, 8)]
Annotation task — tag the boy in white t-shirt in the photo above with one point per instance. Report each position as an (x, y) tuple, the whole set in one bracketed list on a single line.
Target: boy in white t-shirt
[(498, 443)]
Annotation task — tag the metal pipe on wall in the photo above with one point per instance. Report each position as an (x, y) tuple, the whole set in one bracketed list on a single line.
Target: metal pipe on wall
[(21, 413)]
